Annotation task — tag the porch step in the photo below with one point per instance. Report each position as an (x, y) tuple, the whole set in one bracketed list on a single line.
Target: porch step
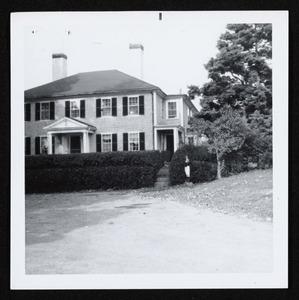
[(162, 177)]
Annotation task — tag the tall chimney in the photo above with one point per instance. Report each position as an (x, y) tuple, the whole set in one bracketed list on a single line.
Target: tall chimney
[(59, 64)]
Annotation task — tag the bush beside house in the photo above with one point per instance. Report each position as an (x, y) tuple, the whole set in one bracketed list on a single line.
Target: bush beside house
[(203, 166), (75, 172)]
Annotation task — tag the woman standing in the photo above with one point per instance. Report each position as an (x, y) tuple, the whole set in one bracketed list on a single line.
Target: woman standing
[(187, 168)]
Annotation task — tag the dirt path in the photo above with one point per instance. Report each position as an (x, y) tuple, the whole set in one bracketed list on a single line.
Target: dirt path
[(122, 233)]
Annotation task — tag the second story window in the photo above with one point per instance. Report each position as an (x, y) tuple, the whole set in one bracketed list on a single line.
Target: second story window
[(45, 111), (75, 111), (172, 110), (133, 106), (106, 107)]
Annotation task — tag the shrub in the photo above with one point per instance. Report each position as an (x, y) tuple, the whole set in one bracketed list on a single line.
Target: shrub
[(107, 159), (202, 171), (75, 172), (99, 178), (203, 165), (265, 161)]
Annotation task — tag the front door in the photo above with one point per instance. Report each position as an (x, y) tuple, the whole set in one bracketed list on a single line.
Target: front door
[(75, 146), (169, 143)]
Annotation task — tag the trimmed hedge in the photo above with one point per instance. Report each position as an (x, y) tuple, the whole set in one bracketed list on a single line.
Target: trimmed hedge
[(203, 166), (75, 172), (107, 159)]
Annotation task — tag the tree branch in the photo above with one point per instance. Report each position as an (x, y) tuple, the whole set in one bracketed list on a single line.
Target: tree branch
[(237, 77)]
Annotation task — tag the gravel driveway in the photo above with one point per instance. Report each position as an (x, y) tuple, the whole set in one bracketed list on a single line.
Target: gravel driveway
[(121, 232)]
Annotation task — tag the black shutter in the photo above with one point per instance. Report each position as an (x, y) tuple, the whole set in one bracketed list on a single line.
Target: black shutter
[(53, 144), (67, 109), (141, 141), (37, 145), (27, 145), (99, 148), (37, 111), (27, 112), (98, 108), (114, 142), (141, 105), (52, 110), (114, 107), (125, 106), (125, 138), (82, 108)]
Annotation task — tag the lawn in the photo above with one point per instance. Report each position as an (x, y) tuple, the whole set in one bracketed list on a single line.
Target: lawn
[(248, 195)]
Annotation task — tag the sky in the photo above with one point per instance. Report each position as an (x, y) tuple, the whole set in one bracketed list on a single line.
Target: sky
[(175, 48)]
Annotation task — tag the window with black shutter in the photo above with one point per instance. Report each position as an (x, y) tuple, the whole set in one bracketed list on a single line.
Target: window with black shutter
[(141, 105), (37, 145), (125, 106), (114, 142), (27, 146), (82, 108), (37, 111), (27, 112), (142, 140), (98, 141), (67, 109), (114, 107), (52, 110), (98, 108), (125, 141)]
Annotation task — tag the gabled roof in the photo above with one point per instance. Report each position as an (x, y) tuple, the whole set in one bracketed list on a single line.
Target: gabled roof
[(89, 83), (69, 123)]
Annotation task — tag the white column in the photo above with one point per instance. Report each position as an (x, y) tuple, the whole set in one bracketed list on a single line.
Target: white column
[(156, 139), (175, 139), (49, 137), (85, 138)]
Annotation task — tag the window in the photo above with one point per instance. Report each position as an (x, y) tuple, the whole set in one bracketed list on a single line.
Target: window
[(106, 142), (172, 110), (75, 111), (45, 111), (133, 141), (43, 145), (133, 106), (106, 107)]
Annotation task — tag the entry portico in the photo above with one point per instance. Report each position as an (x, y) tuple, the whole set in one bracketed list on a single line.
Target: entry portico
[(168, 137), (72, 136)]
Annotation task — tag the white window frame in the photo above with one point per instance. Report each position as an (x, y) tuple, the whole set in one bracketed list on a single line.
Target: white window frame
[(103, 107), (102, 142), (167, 109), (130, 97), (44, 110), (45, 138), (77, 103), (129, 140)]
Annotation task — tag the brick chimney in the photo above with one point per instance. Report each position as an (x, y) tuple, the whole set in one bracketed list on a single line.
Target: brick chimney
[(59, 63)]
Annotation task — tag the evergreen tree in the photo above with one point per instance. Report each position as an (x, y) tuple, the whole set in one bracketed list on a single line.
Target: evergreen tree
[(240, 77)]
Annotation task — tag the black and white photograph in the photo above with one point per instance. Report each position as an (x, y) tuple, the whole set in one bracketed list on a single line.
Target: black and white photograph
[(151, 150)]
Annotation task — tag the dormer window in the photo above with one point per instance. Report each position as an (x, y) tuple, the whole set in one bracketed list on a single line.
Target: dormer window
[(172, 110)]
